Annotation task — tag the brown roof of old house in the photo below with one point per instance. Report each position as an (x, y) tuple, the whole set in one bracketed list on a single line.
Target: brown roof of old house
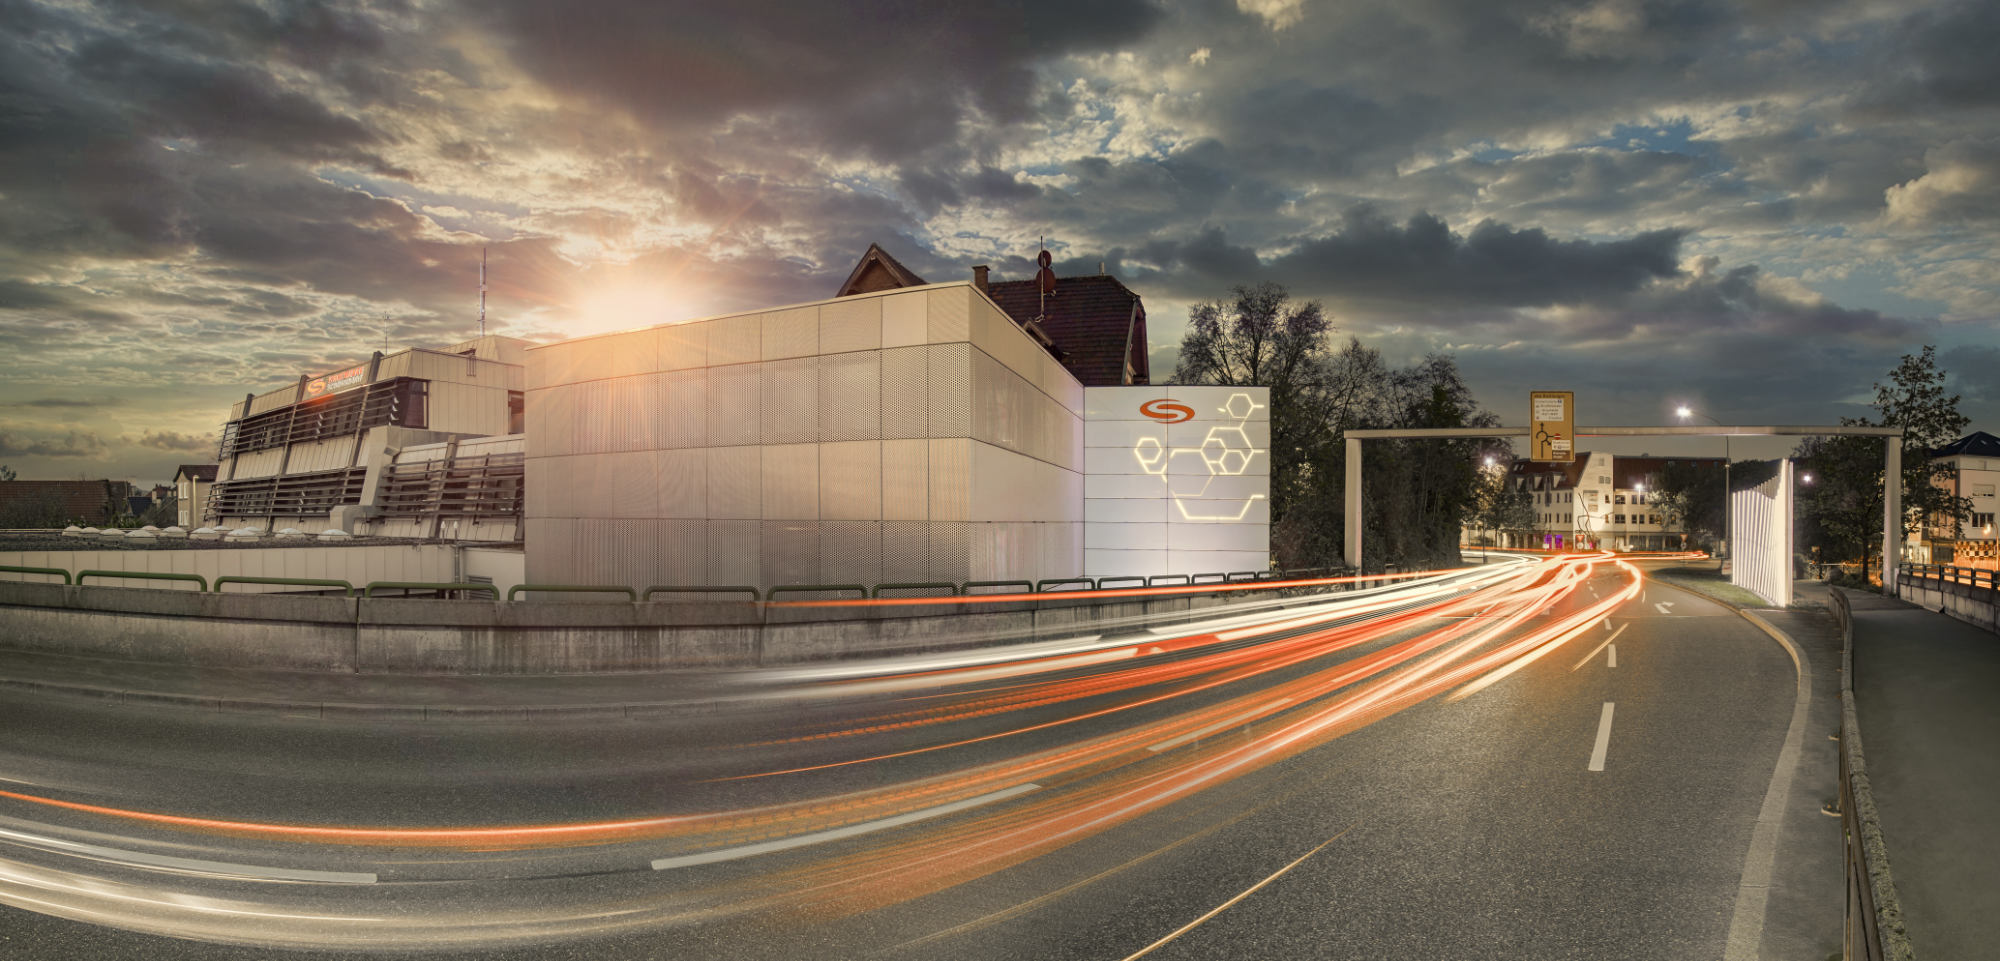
[(878, 271), (1090, 319), (200, 472)]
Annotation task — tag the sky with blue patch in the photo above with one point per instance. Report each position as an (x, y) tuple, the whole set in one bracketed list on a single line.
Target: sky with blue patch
[(1756, 206)]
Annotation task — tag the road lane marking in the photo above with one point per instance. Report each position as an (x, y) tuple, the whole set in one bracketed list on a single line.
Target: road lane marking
[(1607, 623), (1226, 905), (1603, 739), (1217, 726), (1662, 607), (1614, 655), (1753, 891), (140, 858), (1607, 643), (852, 830)]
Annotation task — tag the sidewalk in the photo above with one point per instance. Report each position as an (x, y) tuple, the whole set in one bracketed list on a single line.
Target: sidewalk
[(1927, 695), (375, 697)]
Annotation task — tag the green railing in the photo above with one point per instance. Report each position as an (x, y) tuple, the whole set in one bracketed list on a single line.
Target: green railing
[(1026, 587), (439, 586), (860, 590), (346, 589), (145, 575), (519, 589), (1168, 580), (51, 571), (948, 587), (717, 589)]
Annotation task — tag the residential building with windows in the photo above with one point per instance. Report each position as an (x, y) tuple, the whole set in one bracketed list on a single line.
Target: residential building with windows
[(1600, 501), (1975, 475)]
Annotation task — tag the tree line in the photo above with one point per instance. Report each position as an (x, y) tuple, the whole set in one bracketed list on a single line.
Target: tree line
[(1420, 493)]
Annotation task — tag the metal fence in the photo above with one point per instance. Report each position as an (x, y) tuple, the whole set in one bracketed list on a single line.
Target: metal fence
[(1874, 921)]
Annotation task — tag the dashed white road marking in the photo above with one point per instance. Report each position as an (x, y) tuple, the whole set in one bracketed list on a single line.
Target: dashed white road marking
[(1613, 649), (1603, 739), (1607, 643), (852, 830)]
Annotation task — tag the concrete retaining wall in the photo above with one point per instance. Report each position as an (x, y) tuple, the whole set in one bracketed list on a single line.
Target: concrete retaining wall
[(1973, 605), (397, 635)]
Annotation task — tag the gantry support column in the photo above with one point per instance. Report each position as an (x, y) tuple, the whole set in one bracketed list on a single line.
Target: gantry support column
[(1352, 548)]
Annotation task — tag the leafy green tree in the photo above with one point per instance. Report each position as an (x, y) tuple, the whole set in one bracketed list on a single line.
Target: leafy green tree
[(1419, 489), (1690, 495), (7, 473), (1499, 507)]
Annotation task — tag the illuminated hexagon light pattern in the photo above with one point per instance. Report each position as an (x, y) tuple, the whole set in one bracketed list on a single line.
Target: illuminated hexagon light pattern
[(1176, 480)]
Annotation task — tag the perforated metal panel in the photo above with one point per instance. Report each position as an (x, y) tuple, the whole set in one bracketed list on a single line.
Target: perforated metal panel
[(735, 340), (791, 333), (906, 551), (592, 424), (850, 396), (906, 480), (683, 480), (948, 390), (903, 319), (790, 552), (682, 553), (551, 421), (905, 409), (683, 346), (951, 551), (634, 417), (735, 399), (850, 323), (734, 549), (850, 552), (682, 400), (948, 309), (735, 482), (850, 480), (950, 480), (791, 481), (791, 401)]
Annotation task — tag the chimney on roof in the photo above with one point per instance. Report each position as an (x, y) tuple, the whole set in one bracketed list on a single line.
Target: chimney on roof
[(979, 278)]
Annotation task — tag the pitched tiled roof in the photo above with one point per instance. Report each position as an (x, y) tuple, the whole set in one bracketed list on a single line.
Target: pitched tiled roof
[(201, 472), (1087, 318), (1978, 443), (877, 271), (82, 502)]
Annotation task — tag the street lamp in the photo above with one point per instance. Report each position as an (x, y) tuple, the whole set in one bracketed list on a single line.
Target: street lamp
[(1686, 412)]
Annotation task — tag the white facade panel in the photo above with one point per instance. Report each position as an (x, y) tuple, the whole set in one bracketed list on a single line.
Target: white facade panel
[(850, 481), (949, 312), (791, 333), (1125, 537), (850, 324), (735, 340), (1197, 455), (683, 346), (906, 480), (1122, 434), (682, 401), (1116, 563), (905, 319), (791, 482)]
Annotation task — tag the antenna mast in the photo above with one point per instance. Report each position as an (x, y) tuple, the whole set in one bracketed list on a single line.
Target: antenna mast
[(482, 291)]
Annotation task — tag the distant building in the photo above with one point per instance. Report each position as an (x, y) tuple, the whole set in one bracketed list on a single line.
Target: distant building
[(1598, 502), (23, 503), (191, 486), (1975, 475)]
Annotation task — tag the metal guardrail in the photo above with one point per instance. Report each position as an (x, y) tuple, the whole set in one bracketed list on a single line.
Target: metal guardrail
[(1105, 583), (439, 586), (50, 571), (1043, 586), (648, 593), (347, 589), (145, 575), (860, 589), (1874, 916), (949, 588), (1167, 580), (519, 589), (1003, 587), (1208, 578), (1976, 578)]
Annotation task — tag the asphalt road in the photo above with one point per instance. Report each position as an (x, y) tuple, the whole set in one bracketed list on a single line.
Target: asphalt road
[(1210, 801)]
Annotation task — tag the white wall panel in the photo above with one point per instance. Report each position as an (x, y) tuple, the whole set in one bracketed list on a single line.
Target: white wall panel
[(850, 481), (791, 482), (735, 402), (634, 352), (735, 340), (262, 463), (330, 454), (1220, 537), (683, 482), (791, 401), (736, 482), (1122, 434), (949, 309), (950, 483), (905, 319), (1126, 510), (1244, 488), (1125, 537), (537, 484), (1139, 486), (591, 427), (905, 480), (1116, 563), (550, 420), (634, 412), (850, 396), (791, 333), (850, 323), (905, 407), (682, 401), (1208, 473), (683, 346)]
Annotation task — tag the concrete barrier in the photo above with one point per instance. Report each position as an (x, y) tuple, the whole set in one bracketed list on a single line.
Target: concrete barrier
[(1973, 604), (427, 636)]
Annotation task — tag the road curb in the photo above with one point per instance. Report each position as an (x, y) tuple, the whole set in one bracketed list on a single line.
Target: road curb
[(363, 711), (1868, 821)]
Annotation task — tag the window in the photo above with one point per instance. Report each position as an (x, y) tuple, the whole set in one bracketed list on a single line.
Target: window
[(1982, 520), (1617, 518), (1982, 490), (1618, 499)]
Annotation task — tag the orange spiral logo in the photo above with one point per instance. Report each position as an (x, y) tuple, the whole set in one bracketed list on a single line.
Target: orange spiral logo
[(1166, 410)]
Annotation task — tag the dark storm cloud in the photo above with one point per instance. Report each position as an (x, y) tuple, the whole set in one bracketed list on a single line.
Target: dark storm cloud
[(174, 441), (75, 443), (1946, 55), (1423, 264), (885, 79), (1974, 370)]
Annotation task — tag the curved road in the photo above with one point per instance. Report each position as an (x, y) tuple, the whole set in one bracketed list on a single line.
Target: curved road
[(1312, 782)]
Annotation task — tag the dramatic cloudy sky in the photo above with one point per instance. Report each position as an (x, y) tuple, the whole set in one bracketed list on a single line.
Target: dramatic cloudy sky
[(1752, 206)]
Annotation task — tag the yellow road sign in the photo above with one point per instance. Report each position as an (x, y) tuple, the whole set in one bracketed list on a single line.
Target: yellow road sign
[(1552, 414)]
